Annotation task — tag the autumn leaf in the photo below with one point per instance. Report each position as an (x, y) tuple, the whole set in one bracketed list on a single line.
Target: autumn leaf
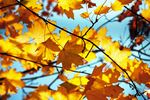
[(63, 77), (41, 93), (6, 61), (35, 5), (63, 94), (78, 81), (69, 55), (51, 45), (123, 97), (43, 32), (11, 81), (112, 48), (146, 13), (139, 39), (101, 10), (95, 95), (84, 15), (117, 5), (67, 6), (48, 70), (125, 1), (141, 73)]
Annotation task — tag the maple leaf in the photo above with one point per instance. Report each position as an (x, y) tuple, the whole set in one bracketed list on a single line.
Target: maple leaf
[(69, 55), (69, 86), (8, 19), (123, 97), (101, 92), (63, 94), (90, 3), (78, 80), (43, 32), (84, 15), (67, 6), (125, 1), (26, 16), (119, 55), (141, 73), (113, 49), (114, 91), (108, 76), (48, 70), (51, 45), (101, 10), (6, 61), (146, 13), (95, 95), (62, 77), (41, 93), (117, 5), (147, 2), (5, 2), (11, 81), (11, 48), (35, 5)]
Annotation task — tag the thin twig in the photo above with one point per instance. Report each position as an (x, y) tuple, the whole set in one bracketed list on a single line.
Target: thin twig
[(137, 14), (9, 5)]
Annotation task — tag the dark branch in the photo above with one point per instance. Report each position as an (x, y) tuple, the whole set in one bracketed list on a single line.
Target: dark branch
[(137, 14), (9, 5)]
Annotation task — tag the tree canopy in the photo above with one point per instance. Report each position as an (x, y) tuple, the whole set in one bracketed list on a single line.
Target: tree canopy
[(87, 62)]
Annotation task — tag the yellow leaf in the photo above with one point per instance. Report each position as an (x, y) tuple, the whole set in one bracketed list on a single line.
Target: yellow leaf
[(84, 15), (146, 13), (41, 93), (117, 5), (120, 55), (63, 94), (39, 32), (62, 38), (67, 6), (33, 4), (77, 80), (101, 10), (11, 81), (147, 2)]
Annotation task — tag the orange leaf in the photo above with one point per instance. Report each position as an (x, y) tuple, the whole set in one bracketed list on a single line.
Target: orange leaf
[(41, 93), (101, 10), (51, 45), (11, 81), (84, 14)]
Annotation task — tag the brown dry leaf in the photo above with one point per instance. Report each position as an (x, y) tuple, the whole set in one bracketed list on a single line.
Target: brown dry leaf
[(69, 55), (51, 45)]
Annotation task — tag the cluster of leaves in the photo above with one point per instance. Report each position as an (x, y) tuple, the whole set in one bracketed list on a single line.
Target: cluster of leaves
[(39, 44)]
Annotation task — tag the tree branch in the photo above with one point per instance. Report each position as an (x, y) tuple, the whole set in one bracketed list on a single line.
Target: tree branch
[(137, 14), (9, 5)]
